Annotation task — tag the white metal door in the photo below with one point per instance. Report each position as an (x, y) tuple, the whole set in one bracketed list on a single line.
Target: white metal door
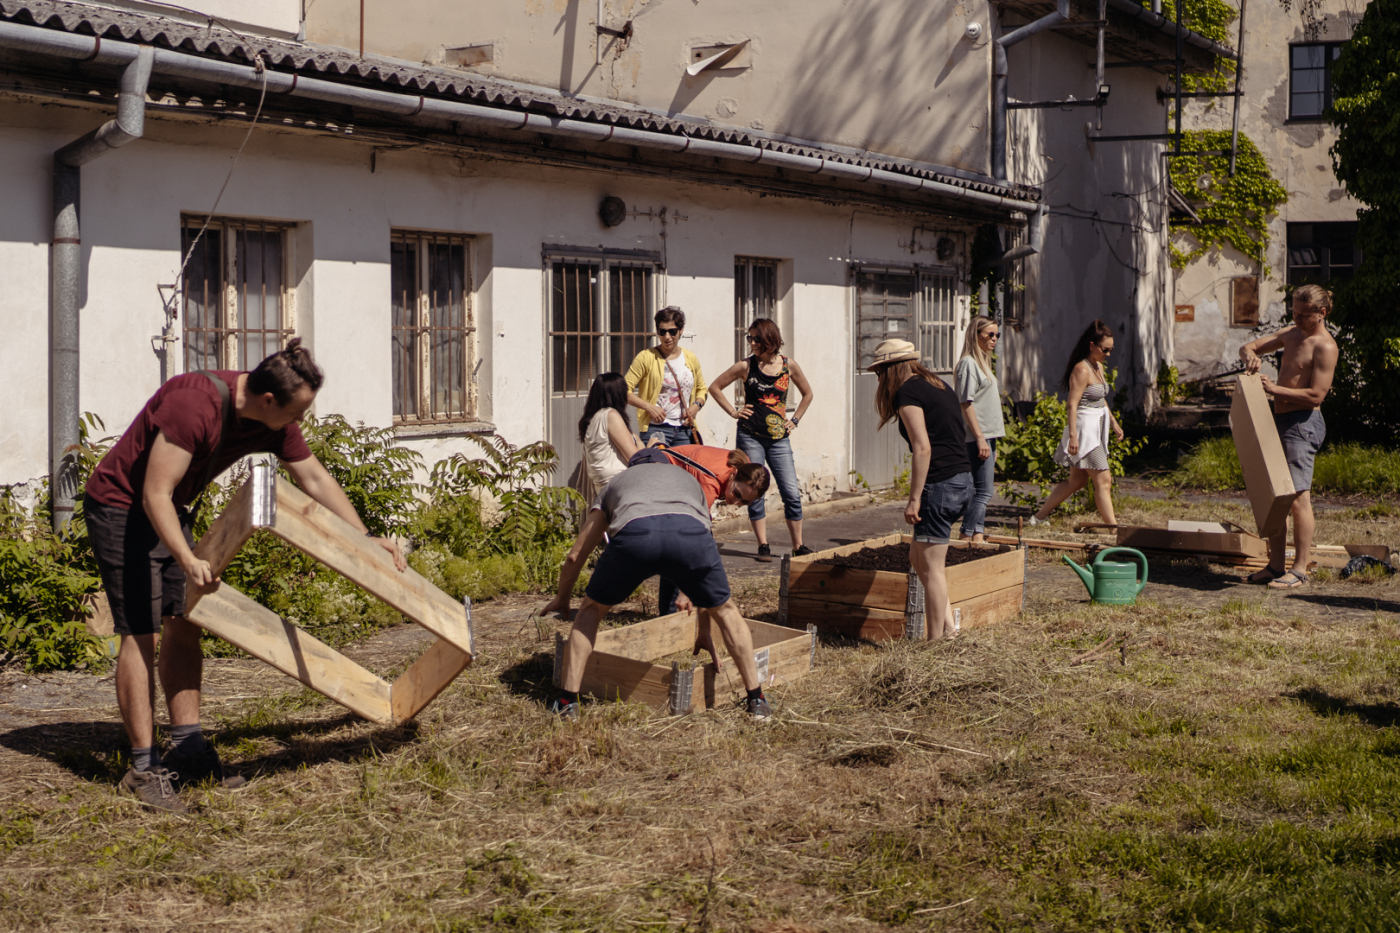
[(885, 308)]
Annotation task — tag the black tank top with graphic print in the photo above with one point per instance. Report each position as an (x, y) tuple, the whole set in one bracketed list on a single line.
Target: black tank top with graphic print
[(767, 396)]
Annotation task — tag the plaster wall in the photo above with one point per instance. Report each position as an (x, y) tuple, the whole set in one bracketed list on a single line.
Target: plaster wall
[(1104, 254), (896, 77), (272, 17), (344, 213), (1297, 154)]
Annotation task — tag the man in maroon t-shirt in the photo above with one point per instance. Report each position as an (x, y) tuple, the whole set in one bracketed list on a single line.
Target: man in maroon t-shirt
[(137, 510)]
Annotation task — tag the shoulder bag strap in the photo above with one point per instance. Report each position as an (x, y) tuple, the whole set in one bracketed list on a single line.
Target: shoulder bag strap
[(685, 402), (227, 413), (671, 452)]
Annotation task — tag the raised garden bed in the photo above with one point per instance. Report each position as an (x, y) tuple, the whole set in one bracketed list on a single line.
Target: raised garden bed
[(844, 591), (624, 663)]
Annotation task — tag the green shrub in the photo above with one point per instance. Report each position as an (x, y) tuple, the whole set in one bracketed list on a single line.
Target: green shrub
[(1211, 464)]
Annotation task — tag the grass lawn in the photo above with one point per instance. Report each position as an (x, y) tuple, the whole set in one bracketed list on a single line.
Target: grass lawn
[(1227, 768)]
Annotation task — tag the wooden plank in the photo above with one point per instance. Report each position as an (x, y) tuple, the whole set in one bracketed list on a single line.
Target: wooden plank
[(845, 549), (426, 678), (609, 677), (850, 621), (766, 634), (881, 589), (263, 634), (229, 532), (974, 578), (309, 526), (1197, 542), (649, 640), (1266, 475), (990, 608)]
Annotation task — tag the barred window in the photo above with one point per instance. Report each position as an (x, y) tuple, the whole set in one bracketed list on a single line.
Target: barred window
[(587, 338), (235, 300), (434, 327), (755, 296)]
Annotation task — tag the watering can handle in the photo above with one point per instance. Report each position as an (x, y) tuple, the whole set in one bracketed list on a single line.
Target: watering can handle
[(1137, 555)]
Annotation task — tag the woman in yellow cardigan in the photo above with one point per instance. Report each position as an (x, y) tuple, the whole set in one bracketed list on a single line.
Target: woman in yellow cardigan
[(665, 384)]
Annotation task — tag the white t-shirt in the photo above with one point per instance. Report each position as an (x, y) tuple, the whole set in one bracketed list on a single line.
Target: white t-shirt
[(671, 398), (599, 455)]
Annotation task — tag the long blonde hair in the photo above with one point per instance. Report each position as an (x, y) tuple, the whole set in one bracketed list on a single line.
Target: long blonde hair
[(891, 378), (972, 348)]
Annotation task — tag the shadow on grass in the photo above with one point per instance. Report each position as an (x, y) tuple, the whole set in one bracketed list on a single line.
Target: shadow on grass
[(1380, 715), (99, 751), (533, 677), (1360, 603)]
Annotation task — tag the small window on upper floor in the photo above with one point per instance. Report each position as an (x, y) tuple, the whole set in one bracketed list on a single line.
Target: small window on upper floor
[(1310, 78)]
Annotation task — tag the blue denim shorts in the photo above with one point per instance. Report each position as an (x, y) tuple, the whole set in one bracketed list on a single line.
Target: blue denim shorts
[(942, 504)]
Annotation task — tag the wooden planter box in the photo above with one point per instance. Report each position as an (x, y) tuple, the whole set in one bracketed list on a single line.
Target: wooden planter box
[(879, 605), (622, 665)]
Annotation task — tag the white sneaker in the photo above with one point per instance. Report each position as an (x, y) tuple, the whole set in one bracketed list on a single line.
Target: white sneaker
[(1033, 521)]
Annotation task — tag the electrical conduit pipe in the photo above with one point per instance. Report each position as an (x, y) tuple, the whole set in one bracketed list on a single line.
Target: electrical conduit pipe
[(999, 80)]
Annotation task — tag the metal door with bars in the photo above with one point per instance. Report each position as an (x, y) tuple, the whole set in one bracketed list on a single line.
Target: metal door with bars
[(600, 317)]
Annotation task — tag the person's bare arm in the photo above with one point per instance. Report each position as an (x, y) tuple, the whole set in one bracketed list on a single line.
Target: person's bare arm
[(588, 538), (317, 482), (722, 382), (799, 379), (654, 411), (166, 466), (913, 418), (1324, 370), (1078, 382), (984, 450), (1250, 352), (623, 440)]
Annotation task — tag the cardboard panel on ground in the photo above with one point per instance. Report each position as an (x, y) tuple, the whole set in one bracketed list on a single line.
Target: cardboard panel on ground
[(881, 605), (268, 503), (623, 663), (1210, 540), (1266, 476)]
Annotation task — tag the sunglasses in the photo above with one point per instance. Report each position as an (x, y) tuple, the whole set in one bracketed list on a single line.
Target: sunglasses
[(668, 331), (753, 339)]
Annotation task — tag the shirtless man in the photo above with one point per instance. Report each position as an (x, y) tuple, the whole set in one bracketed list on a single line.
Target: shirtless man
[(1305, 378)]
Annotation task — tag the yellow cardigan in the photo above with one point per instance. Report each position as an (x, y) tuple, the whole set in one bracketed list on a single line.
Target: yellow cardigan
[(645, 375)]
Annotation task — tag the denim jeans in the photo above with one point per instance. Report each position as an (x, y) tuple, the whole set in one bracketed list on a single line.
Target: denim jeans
[(942, 504), (777, 454), (672, 435), (983, 479)]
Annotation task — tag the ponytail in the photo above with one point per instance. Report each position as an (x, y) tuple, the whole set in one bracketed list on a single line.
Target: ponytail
[(285, 371), (737, 458)]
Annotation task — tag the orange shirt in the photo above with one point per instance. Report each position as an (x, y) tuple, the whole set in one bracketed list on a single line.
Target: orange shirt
[(714, 459)]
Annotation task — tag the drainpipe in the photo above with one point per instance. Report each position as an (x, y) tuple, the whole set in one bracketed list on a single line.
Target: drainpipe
[(67, 271), (999, 83)]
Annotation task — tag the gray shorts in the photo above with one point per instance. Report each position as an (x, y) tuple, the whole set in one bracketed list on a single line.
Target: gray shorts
[(1302, 433)]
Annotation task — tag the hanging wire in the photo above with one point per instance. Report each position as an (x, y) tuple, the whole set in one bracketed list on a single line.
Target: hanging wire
[(260, 67)]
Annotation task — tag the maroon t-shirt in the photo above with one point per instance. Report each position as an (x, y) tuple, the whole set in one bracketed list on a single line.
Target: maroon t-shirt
[(187, 409)]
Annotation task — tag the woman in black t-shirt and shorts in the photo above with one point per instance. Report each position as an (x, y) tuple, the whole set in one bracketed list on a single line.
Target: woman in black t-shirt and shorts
[(940, 477)]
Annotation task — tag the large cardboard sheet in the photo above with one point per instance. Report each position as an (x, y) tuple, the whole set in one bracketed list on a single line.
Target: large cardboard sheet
[(1266, 476)]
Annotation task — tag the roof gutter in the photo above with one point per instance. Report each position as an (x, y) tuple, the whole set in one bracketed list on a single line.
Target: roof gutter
[(1160, 23), (414, 107)]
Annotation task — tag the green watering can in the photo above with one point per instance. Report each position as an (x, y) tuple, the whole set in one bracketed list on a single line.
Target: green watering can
[(1112, 582)]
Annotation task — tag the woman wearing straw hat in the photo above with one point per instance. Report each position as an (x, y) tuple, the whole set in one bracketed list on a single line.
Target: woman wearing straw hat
[(940, 477)]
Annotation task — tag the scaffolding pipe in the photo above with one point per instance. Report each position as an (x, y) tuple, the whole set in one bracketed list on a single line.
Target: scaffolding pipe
[(1239, 76), (1000, 70), (417, 108), (66, 272)]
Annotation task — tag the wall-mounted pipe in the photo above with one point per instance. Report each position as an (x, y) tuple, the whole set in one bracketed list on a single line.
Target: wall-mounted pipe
[(1000, 70), (416, 107), (66, 272)]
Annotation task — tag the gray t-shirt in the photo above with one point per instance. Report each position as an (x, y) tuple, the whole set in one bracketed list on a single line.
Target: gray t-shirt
[(975, 386), (652, 489)]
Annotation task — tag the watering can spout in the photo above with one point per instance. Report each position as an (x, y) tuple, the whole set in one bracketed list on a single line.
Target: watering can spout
[(1084, 575)]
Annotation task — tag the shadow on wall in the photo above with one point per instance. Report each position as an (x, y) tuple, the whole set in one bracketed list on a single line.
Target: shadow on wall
[(893, 78)]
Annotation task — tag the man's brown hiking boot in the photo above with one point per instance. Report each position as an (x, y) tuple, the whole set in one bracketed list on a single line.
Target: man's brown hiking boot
[(154, 789), (189, 770)]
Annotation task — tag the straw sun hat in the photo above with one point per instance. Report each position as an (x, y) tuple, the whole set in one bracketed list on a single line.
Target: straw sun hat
[(893, 350)]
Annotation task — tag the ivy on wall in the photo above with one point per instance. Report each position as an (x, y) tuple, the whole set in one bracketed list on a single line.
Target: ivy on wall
[(1243, 203), (1212, 19)]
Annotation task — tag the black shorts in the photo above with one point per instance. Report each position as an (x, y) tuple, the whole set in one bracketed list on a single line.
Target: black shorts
[(678, 547), (142, 579)]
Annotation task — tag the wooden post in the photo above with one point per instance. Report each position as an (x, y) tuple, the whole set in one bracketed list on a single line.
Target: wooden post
[(784, 578), (915, 625)]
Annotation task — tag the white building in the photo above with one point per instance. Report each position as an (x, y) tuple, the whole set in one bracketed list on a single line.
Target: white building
[(427, 200)]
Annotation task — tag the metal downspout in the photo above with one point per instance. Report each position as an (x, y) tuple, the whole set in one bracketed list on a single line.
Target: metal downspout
[(999, 80), (64, 409)]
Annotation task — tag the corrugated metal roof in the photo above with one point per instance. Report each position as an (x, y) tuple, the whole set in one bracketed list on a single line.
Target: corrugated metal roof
[(217, 41)]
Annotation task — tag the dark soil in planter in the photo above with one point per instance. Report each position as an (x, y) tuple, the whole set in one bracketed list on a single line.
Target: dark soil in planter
[(895, 557)]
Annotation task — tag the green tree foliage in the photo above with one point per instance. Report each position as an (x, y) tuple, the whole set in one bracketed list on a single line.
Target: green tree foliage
[(1212, 19), (1366, 157), (1245, 202)]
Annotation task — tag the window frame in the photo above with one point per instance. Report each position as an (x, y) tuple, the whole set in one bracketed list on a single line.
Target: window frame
[(920, 324), (746, 302), (607, 262), (1328, 60), (425, 366), (1323, 248), (194, 230)]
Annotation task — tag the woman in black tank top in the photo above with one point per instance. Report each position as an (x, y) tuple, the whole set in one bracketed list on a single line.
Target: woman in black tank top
[(764, 426)]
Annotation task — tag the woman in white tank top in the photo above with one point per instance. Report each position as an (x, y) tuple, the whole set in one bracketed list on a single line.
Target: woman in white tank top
[(608, 441)]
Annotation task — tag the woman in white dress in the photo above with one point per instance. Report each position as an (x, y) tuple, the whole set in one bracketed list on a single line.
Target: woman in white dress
[(608, 441), (1084, 444)]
